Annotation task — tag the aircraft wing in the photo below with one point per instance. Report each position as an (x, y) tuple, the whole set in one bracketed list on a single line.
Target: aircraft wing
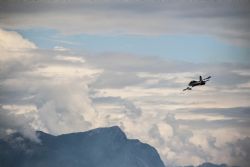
[(206, 79), (188, 88)]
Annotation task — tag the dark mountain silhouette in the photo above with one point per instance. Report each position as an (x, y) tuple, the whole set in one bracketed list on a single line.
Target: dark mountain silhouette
[(208, 164), (103, 147)]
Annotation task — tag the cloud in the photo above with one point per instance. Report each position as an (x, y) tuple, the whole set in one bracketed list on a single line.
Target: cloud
[(234, 113), (106, 80), (228, 21), (154, 132), (12, 41), (13, 48), (10, 122), (177, 145), (48, 83), (240, 150), (126, 107)]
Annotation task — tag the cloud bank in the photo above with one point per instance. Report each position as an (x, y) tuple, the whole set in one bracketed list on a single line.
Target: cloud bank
[(227, 20)]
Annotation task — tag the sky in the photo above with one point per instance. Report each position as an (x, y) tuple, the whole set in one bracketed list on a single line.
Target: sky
[(70, 66)]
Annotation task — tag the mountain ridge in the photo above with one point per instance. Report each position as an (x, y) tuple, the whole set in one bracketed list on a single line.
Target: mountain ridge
[(101, 147)]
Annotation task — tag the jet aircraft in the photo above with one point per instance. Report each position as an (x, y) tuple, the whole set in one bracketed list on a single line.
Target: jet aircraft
[(197, 83)]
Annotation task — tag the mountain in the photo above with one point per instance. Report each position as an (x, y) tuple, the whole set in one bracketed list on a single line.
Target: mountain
[(207, 164), (102, 147)]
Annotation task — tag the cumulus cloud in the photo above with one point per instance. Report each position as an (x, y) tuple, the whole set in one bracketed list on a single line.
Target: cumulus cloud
[(11, 122), (11, 40), (56, 87)]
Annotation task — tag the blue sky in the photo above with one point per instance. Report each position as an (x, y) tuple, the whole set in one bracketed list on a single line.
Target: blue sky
[(183, 47)]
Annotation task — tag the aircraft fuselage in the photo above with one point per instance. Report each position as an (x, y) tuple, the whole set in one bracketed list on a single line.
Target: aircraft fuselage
[(196, 83)]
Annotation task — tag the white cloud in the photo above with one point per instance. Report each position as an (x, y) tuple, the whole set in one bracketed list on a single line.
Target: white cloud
[(243, 72), (70, 58), (12, 41), (13, 122), (60, 48), (245, 85), (56, 90)]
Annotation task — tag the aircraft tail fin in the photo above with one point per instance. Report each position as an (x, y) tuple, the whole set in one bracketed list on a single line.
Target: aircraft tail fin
[(200, 78)]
